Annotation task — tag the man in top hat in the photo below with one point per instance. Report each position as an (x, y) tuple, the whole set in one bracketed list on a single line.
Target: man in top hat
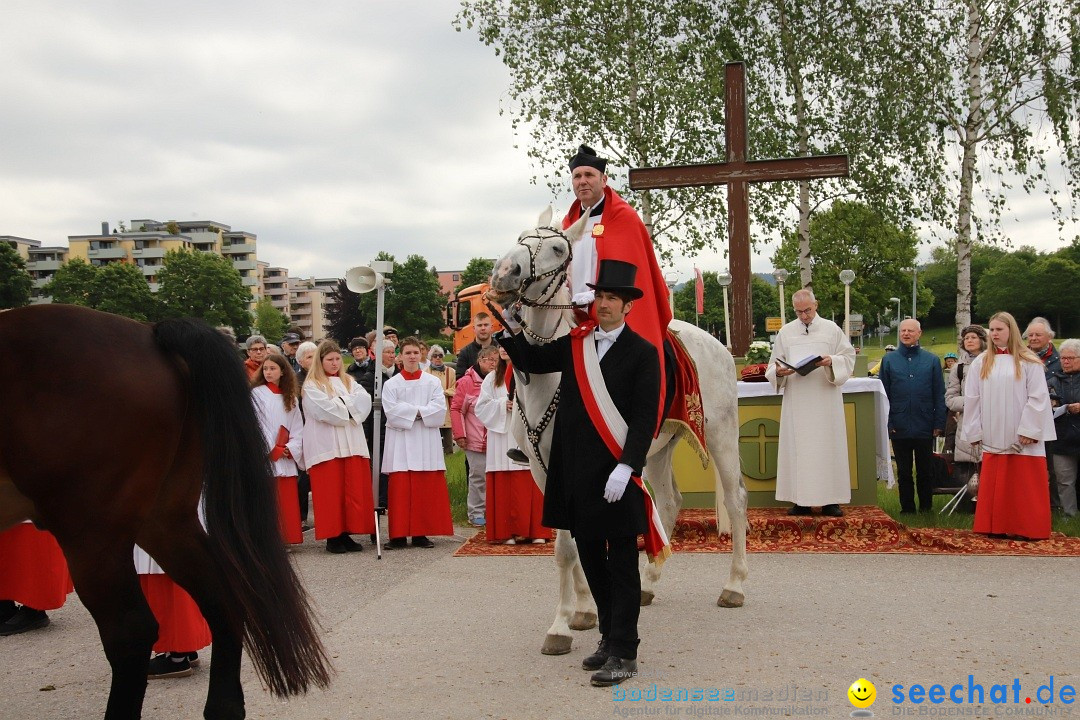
[(615, 232), (607, 412)]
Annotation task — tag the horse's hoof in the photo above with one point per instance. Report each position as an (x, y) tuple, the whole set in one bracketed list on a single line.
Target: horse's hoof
[(646, 598), (583, 621), (730, 599), (557, 644)]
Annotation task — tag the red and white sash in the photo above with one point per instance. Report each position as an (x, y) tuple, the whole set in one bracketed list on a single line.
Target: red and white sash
[(611, 426)]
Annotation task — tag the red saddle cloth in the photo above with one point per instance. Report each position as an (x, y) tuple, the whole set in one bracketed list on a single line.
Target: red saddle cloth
[(686, 416)]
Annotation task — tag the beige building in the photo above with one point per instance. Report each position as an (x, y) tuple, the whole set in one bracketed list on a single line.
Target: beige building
[(42, 265), (307, 303), (21, 245), (275, 286)]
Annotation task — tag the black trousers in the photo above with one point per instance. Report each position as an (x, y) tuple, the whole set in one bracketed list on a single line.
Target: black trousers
[(921, 449), (303, 489), (611, 569)]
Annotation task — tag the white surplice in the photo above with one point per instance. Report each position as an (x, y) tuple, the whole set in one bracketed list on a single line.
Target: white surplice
[(812, 461), (1001, 408), (491, 409), (413, 444), (270, 409)]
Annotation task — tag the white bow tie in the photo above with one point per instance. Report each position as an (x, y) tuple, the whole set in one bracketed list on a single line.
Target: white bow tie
[(610, 335)]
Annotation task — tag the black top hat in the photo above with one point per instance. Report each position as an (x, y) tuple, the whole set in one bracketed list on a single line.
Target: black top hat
[(618, 277), (587, 156)]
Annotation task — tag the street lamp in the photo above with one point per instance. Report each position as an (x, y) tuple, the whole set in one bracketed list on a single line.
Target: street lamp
[(670, 278), (725, 280), (897, 301), (781, 275), (364, 279), (847, 277)]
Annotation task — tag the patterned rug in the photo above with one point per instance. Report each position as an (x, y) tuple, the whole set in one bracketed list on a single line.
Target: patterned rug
[(862, 529)]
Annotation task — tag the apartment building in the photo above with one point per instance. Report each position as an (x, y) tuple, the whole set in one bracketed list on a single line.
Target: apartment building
[(307, 304), (42, 264)]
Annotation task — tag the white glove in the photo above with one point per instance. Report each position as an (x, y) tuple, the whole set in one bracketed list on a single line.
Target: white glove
[(584, 298), (509, 322), (616, 483)]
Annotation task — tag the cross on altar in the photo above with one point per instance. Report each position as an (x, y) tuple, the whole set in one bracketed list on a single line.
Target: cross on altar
[(737, 173)]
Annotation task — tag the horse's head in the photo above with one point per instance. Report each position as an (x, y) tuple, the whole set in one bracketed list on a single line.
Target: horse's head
[(535, 268)]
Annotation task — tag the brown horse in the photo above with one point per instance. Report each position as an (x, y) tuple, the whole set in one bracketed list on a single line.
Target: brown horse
[(109, 432)]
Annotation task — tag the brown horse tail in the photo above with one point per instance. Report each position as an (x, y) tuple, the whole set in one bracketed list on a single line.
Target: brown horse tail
[(267, 599)]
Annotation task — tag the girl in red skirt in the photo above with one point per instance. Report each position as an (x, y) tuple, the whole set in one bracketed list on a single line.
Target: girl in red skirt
[(336, 452), (1007, 412), (515, 504), (274, 393), (182, 631)]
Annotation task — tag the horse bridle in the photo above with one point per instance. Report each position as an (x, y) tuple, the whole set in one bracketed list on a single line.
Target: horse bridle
[(557, 278)]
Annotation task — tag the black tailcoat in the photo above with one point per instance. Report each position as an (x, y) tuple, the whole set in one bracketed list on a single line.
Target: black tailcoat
[(580, 461)]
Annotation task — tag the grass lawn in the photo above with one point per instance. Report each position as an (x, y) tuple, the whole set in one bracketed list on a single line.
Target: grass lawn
[(458, 483), (889, 501)]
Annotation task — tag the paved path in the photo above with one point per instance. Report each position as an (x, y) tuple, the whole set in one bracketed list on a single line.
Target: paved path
[(423, 634)]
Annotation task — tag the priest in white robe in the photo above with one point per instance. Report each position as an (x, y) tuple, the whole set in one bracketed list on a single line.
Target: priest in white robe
[(415, 407), (812, 463)]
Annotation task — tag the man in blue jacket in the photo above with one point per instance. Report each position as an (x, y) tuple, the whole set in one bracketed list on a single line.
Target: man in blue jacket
[(913, 381)]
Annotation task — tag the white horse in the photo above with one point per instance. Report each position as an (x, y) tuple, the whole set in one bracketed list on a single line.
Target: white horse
[(531, 279)]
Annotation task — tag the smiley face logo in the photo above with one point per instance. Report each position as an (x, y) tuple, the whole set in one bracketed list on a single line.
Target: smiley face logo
[(862, 693)]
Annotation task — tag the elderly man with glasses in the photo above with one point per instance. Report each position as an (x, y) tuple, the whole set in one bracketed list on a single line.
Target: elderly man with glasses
[(811, 360)]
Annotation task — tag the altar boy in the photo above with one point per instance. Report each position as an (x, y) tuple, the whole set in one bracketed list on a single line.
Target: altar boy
[(415, 407)]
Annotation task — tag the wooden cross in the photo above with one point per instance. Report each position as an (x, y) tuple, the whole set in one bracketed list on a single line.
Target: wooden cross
[(737, 173)]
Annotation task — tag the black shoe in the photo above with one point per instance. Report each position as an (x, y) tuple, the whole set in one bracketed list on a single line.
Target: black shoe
[(517, 455), (799, 510), (422, 541), (25, 619), (8, 608), (832, 510), (615, 671), (397, 543), (335, 545), (598, 658), (192, 658), (169, 665), (349, 544)]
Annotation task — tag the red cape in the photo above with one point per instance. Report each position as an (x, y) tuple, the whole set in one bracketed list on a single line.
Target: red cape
[(625, 238)]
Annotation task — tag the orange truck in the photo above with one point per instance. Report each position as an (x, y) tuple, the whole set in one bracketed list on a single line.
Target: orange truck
[(461, 309)]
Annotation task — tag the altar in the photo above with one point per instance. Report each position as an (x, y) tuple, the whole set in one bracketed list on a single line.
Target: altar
[(866, 410)]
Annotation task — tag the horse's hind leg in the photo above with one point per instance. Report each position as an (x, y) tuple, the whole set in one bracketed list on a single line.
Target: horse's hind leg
[(729, 474), (668, 501), (181, 547), (109, 588)]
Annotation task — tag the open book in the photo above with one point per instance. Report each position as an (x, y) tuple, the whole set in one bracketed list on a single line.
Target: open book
[(804, 366)]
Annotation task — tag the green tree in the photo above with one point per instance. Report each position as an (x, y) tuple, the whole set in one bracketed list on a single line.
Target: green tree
[(766, 303), (826, 78), (1009, 286), (477, 271), (939, 275), (712, 319), (414, 301), (15, 281), (75, 283), (630, 79), (1005, 104), (269, 321), (344, 318), (122, 290), (1056, 279), (204, 285), (851, 235)]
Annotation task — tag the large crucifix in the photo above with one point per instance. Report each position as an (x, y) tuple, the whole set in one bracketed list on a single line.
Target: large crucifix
[(737, 173)]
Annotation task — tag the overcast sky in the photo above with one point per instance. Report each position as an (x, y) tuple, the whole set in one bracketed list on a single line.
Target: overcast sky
[(331, 130)]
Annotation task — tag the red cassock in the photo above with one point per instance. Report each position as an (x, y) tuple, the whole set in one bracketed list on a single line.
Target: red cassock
[(33, 571), (341, 497), (625, 238), (1014, 498), (419, 504), (289, 510), (515, 506), (181, 627)]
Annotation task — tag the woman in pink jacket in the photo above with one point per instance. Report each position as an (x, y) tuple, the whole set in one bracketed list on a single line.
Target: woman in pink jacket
[(470, 433)]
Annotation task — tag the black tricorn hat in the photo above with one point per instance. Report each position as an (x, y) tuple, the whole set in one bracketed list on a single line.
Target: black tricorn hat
[(617, 276), (587, 156)]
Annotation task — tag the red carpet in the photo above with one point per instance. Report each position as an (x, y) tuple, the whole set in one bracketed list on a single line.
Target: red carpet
[(863, 529)]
